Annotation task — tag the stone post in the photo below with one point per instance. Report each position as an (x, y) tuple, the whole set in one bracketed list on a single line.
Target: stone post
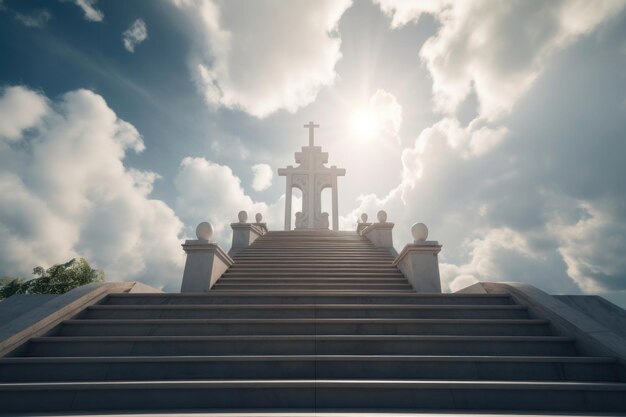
[(206, 261), (419, 263), (362, 224), (259, 223), (243, 234), (380, 234)]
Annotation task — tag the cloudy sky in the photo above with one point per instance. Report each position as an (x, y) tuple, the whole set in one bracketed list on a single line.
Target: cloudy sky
[(499, 124)]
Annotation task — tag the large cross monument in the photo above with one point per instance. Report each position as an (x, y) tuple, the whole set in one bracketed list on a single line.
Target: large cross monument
[(311, 177)]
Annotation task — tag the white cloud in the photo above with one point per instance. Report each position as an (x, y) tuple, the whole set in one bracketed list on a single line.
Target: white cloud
[(472, 141), (545, 208), (388, 113), (20, 109), (263, 175), (65, 192), (34, 20), (451, 279), (91, 13), (495, 49), (208, 191), (276, 55), (380, 120), (592, 246), (484, 251), (134, 35), (404, 11), (445, 186), (528, 197), (229, 146), (370, 204)]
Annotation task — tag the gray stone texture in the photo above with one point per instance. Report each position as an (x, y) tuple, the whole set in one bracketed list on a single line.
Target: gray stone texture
[(205, 264), (599, 309), (316, 321)]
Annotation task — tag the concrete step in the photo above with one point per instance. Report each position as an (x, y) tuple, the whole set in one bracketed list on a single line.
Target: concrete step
[(312, 242), (347, 266), (308, 240), (335, 253), (304, 284), (316, 277), (311, 248), (312, 285), (300, 345), (291, 262), (295, 247), (312, 394), (308, 297), (314, 245), (340, 246), (378, 255), (298, 234), (313, 270), (314, 258), (253, 279), (287, 311), (299, 246), (249, 326), (145, 368), (295, 263)]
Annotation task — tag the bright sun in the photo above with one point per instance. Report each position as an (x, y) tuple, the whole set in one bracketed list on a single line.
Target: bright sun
[(364, 124)]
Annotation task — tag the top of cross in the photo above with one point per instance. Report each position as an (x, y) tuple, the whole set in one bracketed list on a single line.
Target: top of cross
[(311, 126)]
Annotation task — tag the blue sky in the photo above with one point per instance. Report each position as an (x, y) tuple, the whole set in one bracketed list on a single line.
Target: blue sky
[(498, 124)]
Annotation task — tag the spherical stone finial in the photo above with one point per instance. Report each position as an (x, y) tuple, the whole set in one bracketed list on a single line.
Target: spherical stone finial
[(243, 216), (382, 216), (419, 232), (204, 231), (364, 217), (258, 217)]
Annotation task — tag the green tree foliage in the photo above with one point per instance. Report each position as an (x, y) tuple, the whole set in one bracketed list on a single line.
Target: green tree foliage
[(58, 279), (10, 286)]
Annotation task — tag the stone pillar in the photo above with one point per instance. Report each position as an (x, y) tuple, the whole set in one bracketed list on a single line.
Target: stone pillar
[(312, 196), (206, 261), (335, 205), (419, 262), (380, 234), (243, 234), (288, 203)]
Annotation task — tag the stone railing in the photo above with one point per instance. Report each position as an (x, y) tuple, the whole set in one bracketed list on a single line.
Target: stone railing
[(207, 261), (418, 261)]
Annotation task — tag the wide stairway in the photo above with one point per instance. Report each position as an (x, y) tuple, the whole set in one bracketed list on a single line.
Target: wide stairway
[(308, 321)]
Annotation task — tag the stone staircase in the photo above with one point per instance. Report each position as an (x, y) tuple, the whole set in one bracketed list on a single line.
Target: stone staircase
[(308, 321)]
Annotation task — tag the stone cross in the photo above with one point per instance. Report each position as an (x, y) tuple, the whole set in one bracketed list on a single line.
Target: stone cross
[(311, 126), (311, 176)]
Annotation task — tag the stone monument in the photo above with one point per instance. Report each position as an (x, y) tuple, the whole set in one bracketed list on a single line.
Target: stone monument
[(316, 320), (311, 177)]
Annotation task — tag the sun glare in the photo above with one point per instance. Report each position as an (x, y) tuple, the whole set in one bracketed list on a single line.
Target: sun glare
[(364, 124)]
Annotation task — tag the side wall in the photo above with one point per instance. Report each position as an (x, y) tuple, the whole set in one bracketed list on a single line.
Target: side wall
[(42, 318), (592, 337)]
